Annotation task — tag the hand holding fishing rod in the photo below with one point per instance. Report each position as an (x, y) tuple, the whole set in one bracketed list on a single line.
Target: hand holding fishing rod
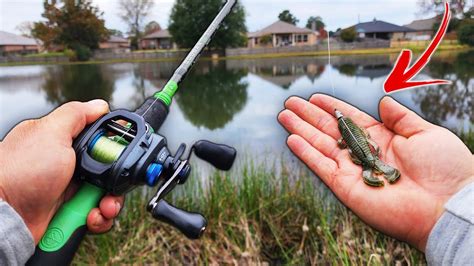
[(121, 151)]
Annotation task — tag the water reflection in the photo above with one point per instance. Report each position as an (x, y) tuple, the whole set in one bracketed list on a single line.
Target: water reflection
[(212, 95), (453, 101), (78, 83), (237, 101)]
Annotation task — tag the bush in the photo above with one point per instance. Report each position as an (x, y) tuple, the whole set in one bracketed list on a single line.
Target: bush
[(466, 33), (348, 35), (70, 54), (83, 53), (266, 39)]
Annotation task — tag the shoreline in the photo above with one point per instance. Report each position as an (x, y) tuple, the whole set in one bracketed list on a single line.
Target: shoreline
[(374, 51)]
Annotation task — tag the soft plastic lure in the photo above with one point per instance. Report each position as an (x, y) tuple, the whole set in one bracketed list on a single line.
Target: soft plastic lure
[(364, 152)]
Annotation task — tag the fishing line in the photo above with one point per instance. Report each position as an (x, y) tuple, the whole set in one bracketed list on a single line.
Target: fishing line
[(330, 67)]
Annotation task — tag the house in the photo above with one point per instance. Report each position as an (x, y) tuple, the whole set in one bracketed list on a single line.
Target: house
[(115, 44), (282, 34), (378, 29), (16, 44), (161, 39), (423, 29)]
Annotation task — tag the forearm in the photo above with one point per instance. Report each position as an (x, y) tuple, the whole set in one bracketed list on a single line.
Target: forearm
[(16, 243), (451, 241)]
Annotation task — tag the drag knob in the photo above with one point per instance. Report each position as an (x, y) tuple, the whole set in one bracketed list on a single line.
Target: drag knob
[(190, 224), (219, 155)]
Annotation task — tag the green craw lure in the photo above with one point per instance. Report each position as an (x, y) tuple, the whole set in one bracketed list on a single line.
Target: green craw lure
[(364, 152)]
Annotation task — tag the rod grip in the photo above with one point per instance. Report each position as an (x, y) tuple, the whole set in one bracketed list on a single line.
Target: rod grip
[(154, 111), (67, 229)]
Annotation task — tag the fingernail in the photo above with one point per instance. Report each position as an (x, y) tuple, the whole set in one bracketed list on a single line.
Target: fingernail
[(97, 103), (117, 207), (97, 219)]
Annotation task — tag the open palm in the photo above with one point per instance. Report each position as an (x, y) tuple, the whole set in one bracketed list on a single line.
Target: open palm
[(433, 162)]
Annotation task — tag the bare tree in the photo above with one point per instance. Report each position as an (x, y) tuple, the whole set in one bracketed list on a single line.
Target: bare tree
[(458, 7), (25, 28), (133, 12)]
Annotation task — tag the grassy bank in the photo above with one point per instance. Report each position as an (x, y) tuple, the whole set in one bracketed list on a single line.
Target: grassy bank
[(254, 217), (394, 50)]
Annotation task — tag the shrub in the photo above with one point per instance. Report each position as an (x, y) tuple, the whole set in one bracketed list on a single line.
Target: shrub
[(266, 39), (348, 35), (83, 53), (70, 54), (466, 33)]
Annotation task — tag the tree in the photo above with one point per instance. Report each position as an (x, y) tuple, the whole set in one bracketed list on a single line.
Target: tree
[(349, 34), (466, 33), (151, 27), (319, 23), (134, 12), (190, 18), (286, 16), (114, 32), (25, 28), (458, 7), (75, 24)]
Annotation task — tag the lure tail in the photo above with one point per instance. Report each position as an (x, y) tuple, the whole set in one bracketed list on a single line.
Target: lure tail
[(390, 173)]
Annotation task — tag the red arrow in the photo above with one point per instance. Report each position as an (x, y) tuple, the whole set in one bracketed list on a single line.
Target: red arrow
[(400, 76)]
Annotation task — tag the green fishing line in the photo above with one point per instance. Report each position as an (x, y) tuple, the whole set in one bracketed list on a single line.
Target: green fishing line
[(106, 150)]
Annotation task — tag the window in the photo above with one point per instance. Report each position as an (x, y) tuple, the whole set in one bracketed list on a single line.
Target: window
[(305, 38)]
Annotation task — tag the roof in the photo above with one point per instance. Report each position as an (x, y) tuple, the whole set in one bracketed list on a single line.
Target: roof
[(422, 24), (161, 34), (7, 38), (380, 26), (279, 27), (117, 39)]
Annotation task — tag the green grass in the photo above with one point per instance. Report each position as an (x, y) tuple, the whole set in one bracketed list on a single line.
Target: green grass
[(46, 54), (254, 217)]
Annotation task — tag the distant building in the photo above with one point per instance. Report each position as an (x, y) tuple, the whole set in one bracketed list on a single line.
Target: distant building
[(378, 29), (423, 29), (161, 39), (282, 34), (16, 44), (115, 44)]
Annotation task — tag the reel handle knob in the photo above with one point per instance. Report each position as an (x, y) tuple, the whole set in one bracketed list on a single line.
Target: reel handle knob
[(190, 224), (219, 155)]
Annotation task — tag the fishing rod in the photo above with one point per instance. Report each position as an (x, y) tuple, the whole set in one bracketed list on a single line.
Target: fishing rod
[(120, 152)]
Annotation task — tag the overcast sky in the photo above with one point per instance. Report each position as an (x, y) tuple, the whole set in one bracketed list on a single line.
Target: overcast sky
[(260, 13)]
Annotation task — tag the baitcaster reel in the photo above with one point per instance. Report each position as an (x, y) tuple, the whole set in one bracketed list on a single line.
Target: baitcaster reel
[(120, 151)]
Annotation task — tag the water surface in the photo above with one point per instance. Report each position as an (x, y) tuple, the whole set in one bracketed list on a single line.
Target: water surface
[(237, 101)]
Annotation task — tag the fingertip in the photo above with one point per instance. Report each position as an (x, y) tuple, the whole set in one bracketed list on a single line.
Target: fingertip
[(97, 223), (292, 102), (110, 206)]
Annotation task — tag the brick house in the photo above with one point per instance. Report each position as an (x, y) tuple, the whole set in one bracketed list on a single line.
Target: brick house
[(282, 34), (378, 29), (423, 29), (161, 39), (16, 44), (115, 44)]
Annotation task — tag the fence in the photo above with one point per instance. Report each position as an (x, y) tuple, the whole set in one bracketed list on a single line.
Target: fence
[(147, 55), (405, 44), (33, 59), (307, 49)]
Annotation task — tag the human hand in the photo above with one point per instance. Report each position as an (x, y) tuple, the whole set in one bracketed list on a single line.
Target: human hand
[(433, 162), (37, 162)]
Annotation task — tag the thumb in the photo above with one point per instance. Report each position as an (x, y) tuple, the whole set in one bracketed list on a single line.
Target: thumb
[(71, 118), (400, 119)]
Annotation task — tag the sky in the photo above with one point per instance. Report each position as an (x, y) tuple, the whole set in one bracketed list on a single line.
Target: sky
[(259, 13)]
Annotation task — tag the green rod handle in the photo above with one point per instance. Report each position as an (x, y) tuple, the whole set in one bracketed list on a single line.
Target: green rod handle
[(67, 229)]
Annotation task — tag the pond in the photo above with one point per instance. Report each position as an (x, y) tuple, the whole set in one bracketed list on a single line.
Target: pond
[(236, 101)]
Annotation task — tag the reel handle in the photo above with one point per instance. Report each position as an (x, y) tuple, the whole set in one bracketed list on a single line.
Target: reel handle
[(219, 155), (190, 224)]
